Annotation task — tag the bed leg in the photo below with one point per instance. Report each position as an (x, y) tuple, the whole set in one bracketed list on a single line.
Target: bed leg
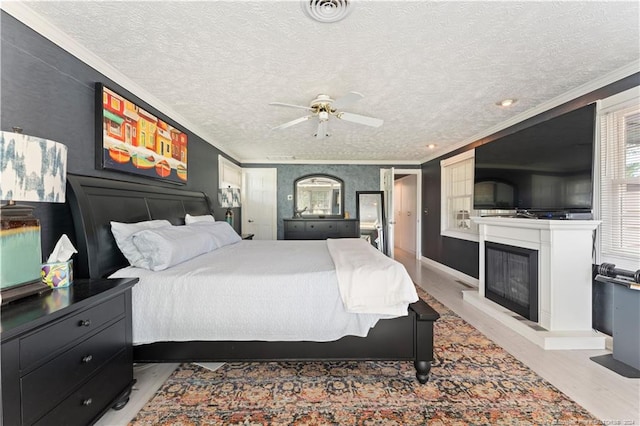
[(422, 370), (425, 317)]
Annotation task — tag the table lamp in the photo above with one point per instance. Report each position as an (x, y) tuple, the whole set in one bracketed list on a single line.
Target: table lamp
[(229, 198), (31, 169)]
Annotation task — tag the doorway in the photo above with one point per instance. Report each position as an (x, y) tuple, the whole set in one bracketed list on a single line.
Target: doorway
[(406, 212)]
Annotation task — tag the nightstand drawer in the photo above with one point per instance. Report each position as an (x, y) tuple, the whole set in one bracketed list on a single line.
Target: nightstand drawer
[(37, 346), (82, 406), (43, 388)]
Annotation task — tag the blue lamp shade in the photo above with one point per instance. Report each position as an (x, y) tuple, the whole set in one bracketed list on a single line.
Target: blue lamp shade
[(31, 169)]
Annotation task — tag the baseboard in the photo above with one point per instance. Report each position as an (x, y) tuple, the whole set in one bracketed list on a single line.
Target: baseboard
[(454, 272)]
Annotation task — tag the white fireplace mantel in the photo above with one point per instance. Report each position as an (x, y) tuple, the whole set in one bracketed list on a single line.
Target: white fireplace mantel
[(564, 270)]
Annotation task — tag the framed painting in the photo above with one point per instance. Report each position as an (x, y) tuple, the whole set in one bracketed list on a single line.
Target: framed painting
[(131, 140)]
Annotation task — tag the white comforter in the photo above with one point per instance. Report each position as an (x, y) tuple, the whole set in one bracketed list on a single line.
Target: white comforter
[(251, 290)]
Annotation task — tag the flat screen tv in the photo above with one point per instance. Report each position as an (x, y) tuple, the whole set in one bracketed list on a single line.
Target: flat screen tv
[(545, 168)]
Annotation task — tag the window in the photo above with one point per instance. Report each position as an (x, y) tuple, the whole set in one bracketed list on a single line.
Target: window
[(229, 173), (457, 197), (620, 179)]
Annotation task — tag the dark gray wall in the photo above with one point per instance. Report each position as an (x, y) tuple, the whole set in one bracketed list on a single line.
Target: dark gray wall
[(355, 177), (50, 93)]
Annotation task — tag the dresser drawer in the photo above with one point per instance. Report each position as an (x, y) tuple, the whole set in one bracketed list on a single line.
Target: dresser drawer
[(47, 340), (348, 229), (321, 227), (294, 225), (43, 388), (82, 406)]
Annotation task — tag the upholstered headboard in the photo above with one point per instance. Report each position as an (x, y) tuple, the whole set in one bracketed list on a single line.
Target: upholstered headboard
[(94, 202)]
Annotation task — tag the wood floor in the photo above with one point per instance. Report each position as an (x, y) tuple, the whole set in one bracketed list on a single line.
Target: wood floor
[(608, 396)]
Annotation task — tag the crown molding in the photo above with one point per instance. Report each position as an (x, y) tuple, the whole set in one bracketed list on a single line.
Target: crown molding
[(349, 162), (572, 94), (23, 13)]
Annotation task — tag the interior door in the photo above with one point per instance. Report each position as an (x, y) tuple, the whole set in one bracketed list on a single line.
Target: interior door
[(259, 203), (386, 185)]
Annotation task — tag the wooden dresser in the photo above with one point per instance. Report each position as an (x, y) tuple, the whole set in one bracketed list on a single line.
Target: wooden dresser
[(67, 355), (320, 229)]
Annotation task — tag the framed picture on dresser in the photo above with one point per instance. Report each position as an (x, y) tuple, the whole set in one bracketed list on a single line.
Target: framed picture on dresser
[(132, 140)]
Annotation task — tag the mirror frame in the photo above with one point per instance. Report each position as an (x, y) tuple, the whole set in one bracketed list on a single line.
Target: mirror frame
[(383, 226), (318, 216)]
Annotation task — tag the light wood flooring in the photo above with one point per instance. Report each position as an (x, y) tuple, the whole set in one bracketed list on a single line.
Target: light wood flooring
[(610, 397)]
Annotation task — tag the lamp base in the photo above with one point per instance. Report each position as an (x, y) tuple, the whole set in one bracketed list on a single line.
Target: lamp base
[(24, 290), (228, 217), (20, 253)]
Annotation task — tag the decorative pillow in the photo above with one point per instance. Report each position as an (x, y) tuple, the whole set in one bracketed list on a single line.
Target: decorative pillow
[(220, 232), (165, 247), (123, 234), (188, 219)]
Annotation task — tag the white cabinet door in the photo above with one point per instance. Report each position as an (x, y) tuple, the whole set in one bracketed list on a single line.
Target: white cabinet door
[(259, 203)]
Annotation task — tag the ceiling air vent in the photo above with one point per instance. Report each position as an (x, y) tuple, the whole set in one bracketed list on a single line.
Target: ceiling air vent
[(326, 11)]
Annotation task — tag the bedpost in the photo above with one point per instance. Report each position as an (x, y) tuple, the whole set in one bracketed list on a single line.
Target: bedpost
[(425, 317)]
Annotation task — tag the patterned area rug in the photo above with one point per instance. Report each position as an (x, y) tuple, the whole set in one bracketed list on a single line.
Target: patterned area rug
[(473, 382)]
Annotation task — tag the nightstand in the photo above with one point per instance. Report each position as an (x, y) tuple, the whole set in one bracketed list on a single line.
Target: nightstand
[(67, 355), (247, 236)]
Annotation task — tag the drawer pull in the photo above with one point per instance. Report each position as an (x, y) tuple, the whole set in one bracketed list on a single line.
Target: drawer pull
[(86, 359), (87, 401), (85, 323)]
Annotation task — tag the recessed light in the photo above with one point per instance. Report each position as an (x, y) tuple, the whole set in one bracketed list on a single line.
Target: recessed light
[(431, 146), (506, 102)]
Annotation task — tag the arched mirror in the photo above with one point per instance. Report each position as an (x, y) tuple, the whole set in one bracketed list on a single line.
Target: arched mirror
[(318, 196)]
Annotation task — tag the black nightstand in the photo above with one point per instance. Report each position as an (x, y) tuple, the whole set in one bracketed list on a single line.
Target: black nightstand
[(247, 236), (67, 355)]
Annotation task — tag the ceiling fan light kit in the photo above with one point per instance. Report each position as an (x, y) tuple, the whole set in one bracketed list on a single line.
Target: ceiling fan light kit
[(326, 11), (323, 107)]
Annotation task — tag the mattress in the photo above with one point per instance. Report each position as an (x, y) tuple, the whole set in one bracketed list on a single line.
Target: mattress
[(252, 290)]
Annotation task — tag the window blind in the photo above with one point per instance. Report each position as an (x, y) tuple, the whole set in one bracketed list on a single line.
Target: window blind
[(620, 182)]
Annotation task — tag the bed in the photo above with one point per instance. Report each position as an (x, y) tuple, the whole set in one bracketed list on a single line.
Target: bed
[(96, 202)]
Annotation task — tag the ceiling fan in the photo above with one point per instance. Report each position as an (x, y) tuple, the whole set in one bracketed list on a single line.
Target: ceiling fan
[(323, 107)]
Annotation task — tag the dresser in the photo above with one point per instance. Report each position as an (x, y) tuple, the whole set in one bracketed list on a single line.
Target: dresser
[(320, 229), (67, 355)]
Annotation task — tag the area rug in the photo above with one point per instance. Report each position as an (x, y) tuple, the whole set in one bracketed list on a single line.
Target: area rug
[(473, 382)]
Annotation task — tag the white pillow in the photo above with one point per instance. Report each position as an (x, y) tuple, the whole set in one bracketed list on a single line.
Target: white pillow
[(220, 232), (123, 234), (165, 247), (188, 219)]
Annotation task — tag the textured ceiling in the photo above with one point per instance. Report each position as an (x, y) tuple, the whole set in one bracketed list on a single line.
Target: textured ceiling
[(432, 71)]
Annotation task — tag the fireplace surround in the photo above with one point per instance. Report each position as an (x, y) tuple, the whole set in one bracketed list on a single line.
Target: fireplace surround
[(564, 269)]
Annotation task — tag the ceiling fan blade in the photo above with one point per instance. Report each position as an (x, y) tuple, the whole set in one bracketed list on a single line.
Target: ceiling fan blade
[(360, 119), (322, 130), (291, 105), (346, 100), (292, 122)]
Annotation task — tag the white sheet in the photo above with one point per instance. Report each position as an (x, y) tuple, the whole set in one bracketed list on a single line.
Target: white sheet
[(252, 290), (369, 281)]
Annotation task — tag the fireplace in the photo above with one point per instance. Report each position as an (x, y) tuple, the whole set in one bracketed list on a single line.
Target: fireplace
[(511, 278)]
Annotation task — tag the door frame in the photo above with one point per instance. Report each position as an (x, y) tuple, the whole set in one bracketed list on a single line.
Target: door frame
[(418, 195)]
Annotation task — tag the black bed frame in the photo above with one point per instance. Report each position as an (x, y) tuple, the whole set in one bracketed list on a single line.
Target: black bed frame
[(94, 202)]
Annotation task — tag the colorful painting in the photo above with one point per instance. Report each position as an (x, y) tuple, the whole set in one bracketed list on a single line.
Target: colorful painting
[(132, 140)]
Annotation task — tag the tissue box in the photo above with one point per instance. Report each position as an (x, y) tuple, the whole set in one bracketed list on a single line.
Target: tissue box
[(57, 275)]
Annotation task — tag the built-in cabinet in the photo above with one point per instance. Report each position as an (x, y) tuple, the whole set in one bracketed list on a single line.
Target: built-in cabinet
[(320, 229)]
